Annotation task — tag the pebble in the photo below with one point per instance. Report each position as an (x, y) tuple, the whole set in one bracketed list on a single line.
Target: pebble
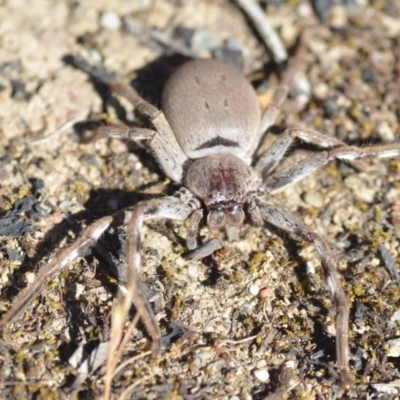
[(310, 268), (360, 188), (396, 316), (204, 40), (331, 108), (301, 88), (79, 290), (254, 290), (95, 55), (132, 26), (386, 132), (322, 8), (30, 277), (313, 199), (266, 292), (385, 388), (110, 20), (393, 348), (193, 271), (261, 374)]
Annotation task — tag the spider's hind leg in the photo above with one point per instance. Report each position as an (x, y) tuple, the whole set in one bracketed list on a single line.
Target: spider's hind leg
[(88, 238)]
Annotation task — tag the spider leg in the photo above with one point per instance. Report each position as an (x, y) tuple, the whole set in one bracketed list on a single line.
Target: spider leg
[(281, 93), (193, 230), (168, 207), (162, 142), (206, 249), (269, 160), (300, 170), (86, 240), (284, 220), (162, 149)]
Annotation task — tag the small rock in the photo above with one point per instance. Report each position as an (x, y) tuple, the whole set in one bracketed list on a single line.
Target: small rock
[(393, 348), (396, 316), (204, 40), (95, 55), (310, 268), (110, 20), (386, 132), (301, 88), (193, 271), (266, 292), (184, 34), (79, 290), (331, 108), (254, 290), (322, 8), (385, 388), (132, 26), (368, 75), (261, 374), (313, 199), (30, 277), (359, 187)]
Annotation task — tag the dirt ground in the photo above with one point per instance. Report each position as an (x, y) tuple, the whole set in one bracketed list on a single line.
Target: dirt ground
[(255, 318)]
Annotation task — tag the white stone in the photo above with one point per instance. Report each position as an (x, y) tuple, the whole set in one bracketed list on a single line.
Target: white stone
[(393, 348), (396, 316), (385, 388), (110, 20), (261, 374), (254, 289)]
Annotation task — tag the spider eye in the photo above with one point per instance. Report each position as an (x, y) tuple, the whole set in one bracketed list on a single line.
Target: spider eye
[(235, 215), (216, 218)]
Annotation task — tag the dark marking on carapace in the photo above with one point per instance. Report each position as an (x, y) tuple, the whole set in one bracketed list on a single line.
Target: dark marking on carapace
[(218, 141), (197, 80)]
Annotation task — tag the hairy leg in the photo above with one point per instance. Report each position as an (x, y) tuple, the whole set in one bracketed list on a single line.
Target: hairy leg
[(171, 208), (300, 170), (88, 238), (206, 249), (270, 159), (165, 146), (282, 219)]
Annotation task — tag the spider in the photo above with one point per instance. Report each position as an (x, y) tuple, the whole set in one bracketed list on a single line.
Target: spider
[(205, 139)]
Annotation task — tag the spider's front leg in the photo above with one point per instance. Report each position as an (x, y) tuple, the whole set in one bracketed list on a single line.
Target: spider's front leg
[(205, 250), (161, 141), (270, 159), (282, 219), (295, 172), (168, 207)]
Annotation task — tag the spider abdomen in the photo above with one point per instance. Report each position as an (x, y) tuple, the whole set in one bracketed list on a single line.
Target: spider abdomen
[(212, 109)]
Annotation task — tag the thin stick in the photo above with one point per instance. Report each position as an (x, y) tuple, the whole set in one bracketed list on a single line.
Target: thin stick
[(126, 392), (59, 131), (260, 21)]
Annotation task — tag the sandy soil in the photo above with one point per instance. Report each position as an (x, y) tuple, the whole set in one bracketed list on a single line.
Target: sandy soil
[(254, 317)]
